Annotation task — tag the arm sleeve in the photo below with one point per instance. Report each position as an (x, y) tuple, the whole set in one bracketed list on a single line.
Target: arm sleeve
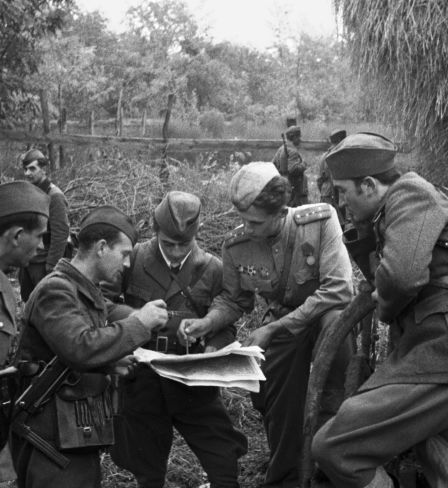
[(413, 223), (59, 228), (335, 277), (69, 332)]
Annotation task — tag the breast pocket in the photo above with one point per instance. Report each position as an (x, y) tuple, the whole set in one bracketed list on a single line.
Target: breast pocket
[(143, 294)]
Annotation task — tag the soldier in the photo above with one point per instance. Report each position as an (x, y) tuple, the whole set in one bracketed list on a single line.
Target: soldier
[(55, 239), (293, 258), (403, 404), (173, 267), (290, 164), (66, 332), (23, 220), (328, 194)]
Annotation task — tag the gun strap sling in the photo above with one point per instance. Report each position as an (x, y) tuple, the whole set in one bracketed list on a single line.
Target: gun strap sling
[(280, 295), (186, 289)]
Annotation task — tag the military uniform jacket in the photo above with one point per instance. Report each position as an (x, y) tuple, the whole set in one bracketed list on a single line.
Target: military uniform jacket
[(148, 278), (319, 278), (412, 282), (66, 315), (58, 228), (292, 167), (8, 328)]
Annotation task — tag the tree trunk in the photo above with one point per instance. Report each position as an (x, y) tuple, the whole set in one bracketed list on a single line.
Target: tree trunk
[(92, 123), (119, 115), (143, 131), (46, 125)]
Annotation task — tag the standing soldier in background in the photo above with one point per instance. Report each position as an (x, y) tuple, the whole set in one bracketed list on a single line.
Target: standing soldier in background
[(172, 266), (290, 164), (24, 212), (55, 239), (295, 259), (328, 193)]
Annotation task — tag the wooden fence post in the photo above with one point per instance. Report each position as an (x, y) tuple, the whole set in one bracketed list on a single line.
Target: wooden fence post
[(46, 125), (92, 123), (119, 115), (164, 173), (143, 128)]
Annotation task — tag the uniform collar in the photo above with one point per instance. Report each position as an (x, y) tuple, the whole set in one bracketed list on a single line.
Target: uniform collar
[(86, 286), (167, 261)]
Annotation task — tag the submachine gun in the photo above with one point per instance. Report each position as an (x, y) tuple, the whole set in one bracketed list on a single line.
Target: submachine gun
[(42, 388)]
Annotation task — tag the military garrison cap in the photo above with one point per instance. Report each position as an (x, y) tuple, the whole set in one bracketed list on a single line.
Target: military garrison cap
[(22, 197), (177, 215), (292, 131), (248, 182), (33, 155), (113, 217), (337, 136), (362, 154)]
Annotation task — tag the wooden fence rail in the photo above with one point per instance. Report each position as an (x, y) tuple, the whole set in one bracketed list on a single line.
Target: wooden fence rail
[(172, 145)]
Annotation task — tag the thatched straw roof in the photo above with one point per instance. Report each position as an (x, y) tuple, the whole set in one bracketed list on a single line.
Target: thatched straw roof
[(400, 49)]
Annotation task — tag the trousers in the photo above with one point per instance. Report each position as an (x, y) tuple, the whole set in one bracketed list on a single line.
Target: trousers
[(375, 425), (281, 400), (152, 408)]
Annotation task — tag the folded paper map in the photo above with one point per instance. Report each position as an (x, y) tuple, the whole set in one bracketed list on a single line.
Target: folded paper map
[(232, 366)]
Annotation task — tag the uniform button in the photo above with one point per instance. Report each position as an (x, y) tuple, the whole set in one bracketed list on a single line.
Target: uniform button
[(1, 325), (276, 250), (256, 290)]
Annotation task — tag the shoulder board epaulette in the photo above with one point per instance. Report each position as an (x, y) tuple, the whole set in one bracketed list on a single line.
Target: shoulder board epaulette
[(312, 213), (235, 237)]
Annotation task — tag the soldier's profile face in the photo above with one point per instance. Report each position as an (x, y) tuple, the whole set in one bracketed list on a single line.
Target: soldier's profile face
[(260, 225), (28, 241), (175, 249), (34, 173), (356, 198), (115, 258)]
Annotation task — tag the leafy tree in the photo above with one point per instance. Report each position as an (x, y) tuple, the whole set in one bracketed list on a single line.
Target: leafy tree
[(22, 24)]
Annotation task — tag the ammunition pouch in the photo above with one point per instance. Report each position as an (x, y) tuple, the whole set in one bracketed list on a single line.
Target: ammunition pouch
[(84, 412)]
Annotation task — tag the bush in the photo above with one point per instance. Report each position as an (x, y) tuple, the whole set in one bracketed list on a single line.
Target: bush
[(212, 121)]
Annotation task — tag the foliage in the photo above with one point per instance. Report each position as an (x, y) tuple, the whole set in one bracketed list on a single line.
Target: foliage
[(400, 50), (212, 121), (22, 24)]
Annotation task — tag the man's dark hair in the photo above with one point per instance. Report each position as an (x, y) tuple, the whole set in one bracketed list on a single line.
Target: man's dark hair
[(274, 195), (28, 220), (389, 177), (94, 233)]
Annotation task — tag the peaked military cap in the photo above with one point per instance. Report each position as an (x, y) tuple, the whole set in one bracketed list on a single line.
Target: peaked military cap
[(248, 182), (292, 131), (177, 215), (361, 154), (113, 217), (33, 155), (23, 197), (337, 136)]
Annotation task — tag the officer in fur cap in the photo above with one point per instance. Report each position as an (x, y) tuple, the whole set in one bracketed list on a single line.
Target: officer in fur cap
[(67, 320), (404, 402), (172, 266), (55, 239), (290, 164), (295, 259)]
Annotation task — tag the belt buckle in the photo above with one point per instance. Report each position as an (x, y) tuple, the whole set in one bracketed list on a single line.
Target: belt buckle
[(162, 343)]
